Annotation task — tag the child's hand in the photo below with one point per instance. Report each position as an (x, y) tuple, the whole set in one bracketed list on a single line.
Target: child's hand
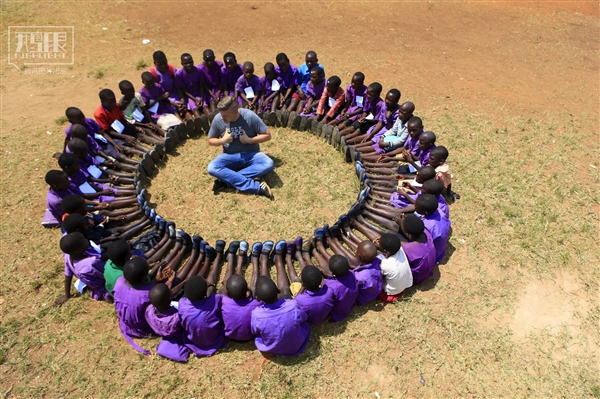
[(119, 218), (60, 300), (163, 96), (381, 158), (399, 217), (400, 190), (104, 205), (128, 139), (107, 192), (399, 177)]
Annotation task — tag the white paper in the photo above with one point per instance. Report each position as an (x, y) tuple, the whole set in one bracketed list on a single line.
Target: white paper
[(95, 246), (414, 183), (94, 171), (137, 115), (100, 137), (369, 117), (175, 304), (99, 158), (359, 101), (275, 86), (153, 108), (249, 93), (87, 189), (79, 285), (117, 126), (331, 102), (411, 168)]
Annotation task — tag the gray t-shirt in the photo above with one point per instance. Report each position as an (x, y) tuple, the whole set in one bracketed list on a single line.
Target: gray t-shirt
[(248, 121)]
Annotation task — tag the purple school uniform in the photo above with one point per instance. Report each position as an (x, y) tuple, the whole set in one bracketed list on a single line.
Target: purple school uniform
[(242, 83), (289, 78), (351, 99), (370, 281), (424, 156), (388, 121), (236, 317), (345, 292), (167, 82), (280, 328), (317, 305), (212, 78), (443, 207), (399, 201), (90, 270), (266, 85), (131, 304), (83, 165), (314, 92), (82, 177), (168, 326), (94, 128), (229, 78), (54, 200), (203, 325), (412, 144), (190, 82), (150, 95), (421, 257), (439, 226)]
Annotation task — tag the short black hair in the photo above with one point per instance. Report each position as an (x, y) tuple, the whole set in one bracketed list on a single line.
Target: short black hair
[(432, 186), (359, 75), (339, 266), (71, 243), (106, 94), (53, 177), (208, 52), (389, 243), (135, 270), (67, 159), (119, 251), (396, 93), (318, 69), (281, 57), (426, 204), (72, 112), (229, 54), (376, 86), (77, 145), (195, 289), (248, 64), (427, 173), (311, 53), (73, 222), (160, 296), (158, 55), (72, 203), (311, 277), (185, 55), (147, 76), (269, 66), (441, 151), (415, 120), (237, 287), (413, 225), (334, 80), (266, 290), (428, 136), (79, 131), (125, 85)]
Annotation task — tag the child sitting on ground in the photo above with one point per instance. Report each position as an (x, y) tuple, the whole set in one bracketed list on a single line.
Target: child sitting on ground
[(373, 106), (280, 325), (248, 87), (119, 252), (344, 287), (164, 75), (82, 260), (211, 69), (304, 71), (435, 188), (134, 109), (237, 309), (385, 120), (437, 160), (426, 145), (407, 191), (419, 249), (270, 87), (368, 274), (395, 268), (313, 92), (230, 73), (153, 93), (289, 77), (331, 102), (356, 93), (316, 299), (426, 206), (165, 321), (189, 82)]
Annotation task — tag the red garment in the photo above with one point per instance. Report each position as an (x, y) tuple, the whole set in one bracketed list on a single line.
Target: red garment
[(105, 118)]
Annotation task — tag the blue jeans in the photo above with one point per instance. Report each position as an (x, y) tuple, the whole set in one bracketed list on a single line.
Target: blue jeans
[(239, 170)]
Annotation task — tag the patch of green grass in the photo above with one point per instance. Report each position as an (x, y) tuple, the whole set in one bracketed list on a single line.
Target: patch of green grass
[(61, 120), (141, 64), (99, 72)]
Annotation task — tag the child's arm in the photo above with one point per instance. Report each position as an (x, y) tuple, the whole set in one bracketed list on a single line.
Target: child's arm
[(288, 93), (63, 298), (375, 130), (356, 112), (308, 105)]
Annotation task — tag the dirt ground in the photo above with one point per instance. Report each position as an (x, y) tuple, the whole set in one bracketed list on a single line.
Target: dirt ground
[(511, 88)]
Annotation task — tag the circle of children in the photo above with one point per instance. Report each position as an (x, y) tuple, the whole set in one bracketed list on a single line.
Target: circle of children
[(164, 282)]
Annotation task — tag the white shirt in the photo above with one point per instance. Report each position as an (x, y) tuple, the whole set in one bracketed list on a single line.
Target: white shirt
[(396, 273)]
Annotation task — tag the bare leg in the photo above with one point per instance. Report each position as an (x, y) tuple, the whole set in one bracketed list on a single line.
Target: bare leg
[(323, 264), (370, 234), (255, 271), (283, 283), (383, 221)]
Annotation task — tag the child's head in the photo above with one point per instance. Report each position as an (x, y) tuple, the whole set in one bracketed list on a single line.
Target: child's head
[(160, 61), (74, 115), (108, 99), (127, 89), (433, 187), (426, 204), (148, 80), (57, 180), (195, 289), (316, 75), (426, 141), (283, 62), (424, 174), (405, 113), (74, 204), (412, 227), (414, 125), (208, 57), (248, 70), (366, 252), (78, 147), (311, 278), (333, 84), (374, 91), (79, 132), (187, 62), (438, 156), (69, 163), (74, 222), (311, 59), (338, 265), (358, 80), (266, 290), (74, 244), (160, 297), (230, 61), (391, 98), (135, 270), (389, 244), (119, 251), (237, 287), (270, 71)]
